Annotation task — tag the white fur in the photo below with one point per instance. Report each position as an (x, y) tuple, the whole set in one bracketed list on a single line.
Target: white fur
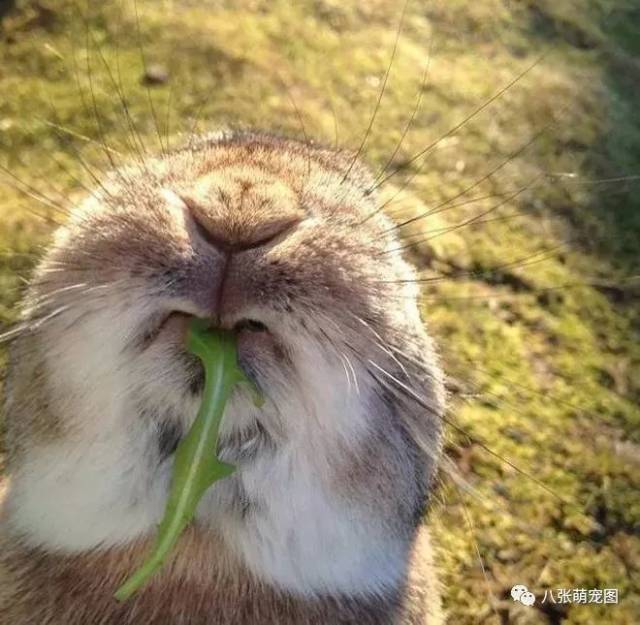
[(302, 536), (98, 488), (78, 493)]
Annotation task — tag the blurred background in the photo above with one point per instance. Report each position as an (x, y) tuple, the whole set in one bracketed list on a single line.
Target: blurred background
[(527, 245)]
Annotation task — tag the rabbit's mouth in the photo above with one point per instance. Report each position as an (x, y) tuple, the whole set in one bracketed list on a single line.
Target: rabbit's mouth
[(252, 334), (259, 349)]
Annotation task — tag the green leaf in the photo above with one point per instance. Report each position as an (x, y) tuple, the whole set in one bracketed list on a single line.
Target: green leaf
[(196, 466)]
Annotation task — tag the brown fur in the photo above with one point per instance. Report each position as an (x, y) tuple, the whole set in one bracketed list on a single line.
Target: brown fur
[(247, 192), (201, 586)]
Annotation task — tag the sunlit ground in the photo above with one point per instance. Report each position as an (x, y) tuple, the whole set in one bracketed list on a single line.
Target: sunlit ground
[(531, 291)]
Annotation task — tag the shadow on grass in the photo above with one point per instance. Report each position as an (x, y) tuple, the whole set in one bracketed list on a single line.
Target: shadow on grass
[(610, 225)]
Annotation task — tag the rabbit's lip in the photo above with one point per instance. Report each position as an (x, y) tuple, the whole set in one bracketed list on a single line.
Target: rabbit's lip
[(174, 321), (257, 346), (250, 326)]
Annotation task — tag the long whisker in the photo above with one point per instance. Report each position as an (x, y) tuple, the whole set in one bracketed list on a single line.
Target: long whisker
[(472, 529), (530, 259), (167, 120), (466, 202), (89, 112), (472, 220), (299, 117), (380, 94), (77, 135), (12, 334), (547, 396), (193, 131), (380, 342), (144, 66), (575, 179), (414, 112), (136, 144), (513, 155), (459, 125), (33, 324), (409, 392), (335, 118), (96, 115), (61, 132), (597, 284), (34, 194)]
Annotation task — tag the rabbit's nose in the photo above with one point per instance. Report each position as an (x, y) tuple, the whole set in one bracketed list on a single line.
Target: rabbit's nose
[(237, 209), (217, 232)]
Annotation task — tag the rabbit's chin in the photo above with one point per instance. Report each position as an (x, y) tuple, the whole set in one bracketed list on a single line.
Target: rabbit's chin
[(105, 483), (285, 512)]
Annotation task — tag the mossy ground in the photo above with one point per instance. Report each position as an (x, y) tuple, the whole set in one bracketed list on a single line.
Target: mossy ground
[(533, 305)]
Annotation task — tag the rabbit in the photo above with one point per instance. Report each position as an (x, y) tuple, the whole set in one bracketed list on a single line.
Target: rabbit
[(282, 242)]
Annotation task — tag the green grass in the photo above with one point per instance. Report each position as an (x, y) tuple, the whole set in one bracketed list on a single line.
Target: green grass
[(546, 377)]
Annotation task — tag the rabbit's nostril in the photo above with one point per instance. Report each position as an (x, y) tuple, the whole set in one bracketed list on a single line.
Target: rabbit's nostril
[(250, 325)]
